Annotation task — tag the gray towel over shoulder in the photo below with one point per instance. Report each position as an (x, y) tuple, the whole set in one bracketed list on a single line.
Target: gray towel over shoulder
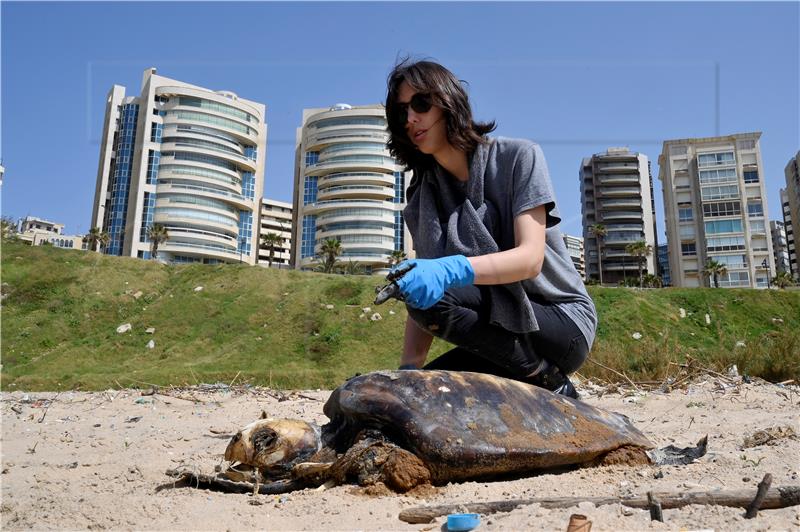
[(506, 178)]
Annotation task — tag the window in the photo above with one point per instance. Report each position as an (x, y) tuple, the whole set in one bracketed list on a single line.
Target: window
[(725, 208), (721, 175), (732, 279), (755, 208), (677, 150), (686, 231), (719, 192), (724, 226), (725, 243), (715, 159), (751, 176), (731, 262), (746, 144), (757, 226), (685, 214), (688, 249)]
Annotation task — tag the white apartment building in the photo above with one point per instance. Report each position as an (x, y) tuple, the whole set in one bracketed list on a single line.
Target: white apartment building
[(780, 246), (347, 187), (715, 205), (617, 193), (188, 158), (790, 201), (276, 218), (38, 231), (575, 249)]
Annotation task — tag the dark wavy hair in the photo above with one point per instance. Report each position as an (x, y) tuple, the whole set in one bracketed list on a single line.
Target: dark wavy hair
[(446, 93)]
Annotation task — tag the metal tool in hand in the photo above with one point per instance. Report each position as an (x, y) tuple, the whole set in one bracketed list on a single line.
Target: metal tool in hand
[(392, 289)]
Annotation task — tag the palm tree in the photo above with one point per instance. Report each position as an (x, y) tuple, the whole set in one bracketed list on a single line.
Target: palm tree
[(783, 279), (714, 269), (396, 257), (640, 250), (331, 248), (96, 236), (599, 231), (272, 241), (652, 281), (157, 234), (352, 267)]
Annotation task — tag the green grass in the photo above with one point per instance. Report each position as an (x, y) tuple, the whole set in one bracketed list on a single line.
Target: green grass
[(272, 327)]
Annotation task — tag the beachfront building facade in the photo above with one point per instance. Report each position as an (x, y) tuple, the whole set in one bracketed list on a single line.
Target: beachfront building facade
[(575, 249), (790, 202), (347, 187), (188, 158), (617, 194), (38, 232), (714, 207), (276, 219)]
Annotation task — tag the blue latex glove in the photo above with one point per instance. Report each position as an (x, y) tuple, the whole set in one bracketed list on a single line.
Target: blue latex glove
[(426, 284)]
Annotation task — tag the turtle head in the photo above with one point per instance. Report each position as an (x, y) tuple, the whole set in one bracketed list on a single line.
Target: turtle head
[(273, 444)]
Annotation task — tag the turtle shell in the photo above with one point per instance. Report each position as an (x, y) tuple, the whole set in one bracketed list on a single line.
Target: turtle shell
[(466, 425)]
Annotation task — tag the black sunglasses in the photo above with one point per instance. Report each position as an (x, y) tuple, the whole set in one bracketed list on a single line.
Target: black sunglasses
[(420, 103)]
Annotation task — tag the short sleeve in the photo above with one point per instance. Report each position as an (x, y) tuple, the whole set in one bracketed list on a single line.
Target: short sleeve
[(532, 186)]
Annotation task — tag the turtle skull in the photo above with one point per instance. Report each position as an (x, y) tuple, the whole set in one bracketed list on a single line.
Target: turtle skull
[(273, 445)]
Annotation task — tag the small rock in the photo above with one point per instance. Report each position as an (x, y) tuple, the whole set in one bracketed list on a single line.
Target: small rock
[(150, 330), (658, 474), (329, 307), (133, 419), (196, 289), (151, 344), (708, 319), (361, 315), (733, 372), (682, 312), (777, 320), (627, 511), (740, 343), (376, 317), (138, 294), (745, 479), (392, 313), (125, 327), (366, 310), (637, 335)]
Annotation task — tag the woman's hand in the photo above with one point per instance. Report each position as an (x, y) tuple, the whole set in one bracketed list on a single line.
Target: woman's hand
[(425, 284)]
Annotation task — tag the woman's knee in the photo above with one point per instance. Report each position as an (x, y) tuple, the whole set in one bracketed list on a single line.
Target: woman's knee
[(576, 354), (438, 318)]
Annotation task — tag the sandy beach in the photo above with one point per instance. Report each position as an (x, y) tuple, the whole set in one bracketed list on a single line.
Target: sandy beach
[(78, 460)]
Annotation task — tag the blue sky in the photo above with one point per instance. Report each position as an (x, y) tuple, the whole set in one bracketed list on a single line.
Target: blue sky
[(576, 77)]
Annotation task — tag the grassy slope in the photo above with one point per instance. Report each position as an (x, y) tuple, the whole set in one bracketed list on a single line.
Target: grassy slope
[(62, 309)]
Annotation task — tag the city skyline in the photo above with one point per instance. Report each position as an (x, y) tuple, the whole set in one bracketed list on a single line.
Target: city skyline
[(678, 71)]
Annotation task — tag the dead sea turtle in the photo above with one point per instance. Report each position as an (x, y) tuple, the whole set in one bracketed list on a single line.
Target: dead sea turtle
[(405, 428)]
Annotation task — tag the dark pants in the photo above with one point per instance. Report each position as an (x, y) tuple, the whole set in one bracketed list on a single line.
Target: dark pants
[(461, 317)]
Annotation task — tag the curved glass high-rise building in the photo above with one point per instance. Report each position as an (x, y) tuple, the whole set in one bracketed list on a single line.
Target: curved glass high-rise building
[(185, 157), (347, 187)]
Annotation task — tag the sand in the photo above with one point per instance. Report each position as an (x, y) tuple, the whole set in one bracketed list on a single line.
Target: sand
[(76, 460)]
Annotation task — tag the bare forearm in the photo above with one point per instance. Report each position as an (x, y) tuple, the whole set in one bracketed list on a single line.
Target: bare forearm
[(505, 266), (416, 344)]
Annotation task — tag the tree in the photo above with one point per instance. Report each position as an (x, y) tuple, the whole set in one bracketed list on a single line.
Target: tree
[(352, 267), (157, 234), (8, 227), (272, 241), (96, 236), (397, 256), (652, 281), (331, 248), (640, 250), (599, 231), (782, 280), (714, 269)]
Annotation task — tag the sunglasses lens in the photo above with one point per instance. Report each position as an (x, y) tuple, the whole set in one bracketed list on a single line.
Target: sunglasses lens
[(421, 103)]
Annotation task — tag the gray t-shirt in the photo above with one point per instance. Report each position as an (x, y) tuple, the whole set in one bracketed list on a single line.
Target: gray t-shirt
[(507, 178)]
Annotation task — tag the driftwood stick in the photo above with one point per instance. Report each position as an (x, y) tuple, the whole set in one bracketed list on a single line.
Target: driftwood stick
[(655, 507), (763, 488), (617, 372), (781, 497)]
